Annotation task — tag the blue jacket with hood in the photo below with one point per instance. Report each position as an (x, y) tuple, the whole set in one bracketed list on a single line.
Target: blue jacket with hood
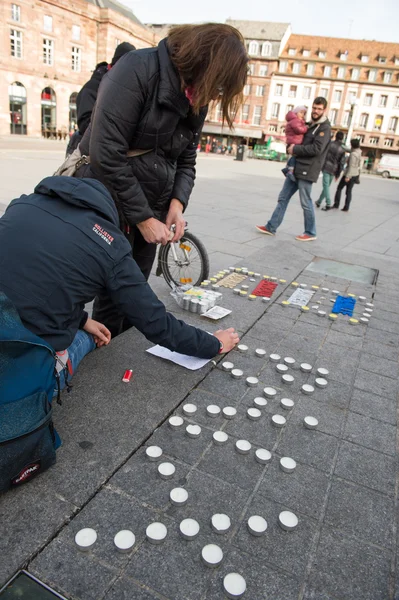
[(60, 247)]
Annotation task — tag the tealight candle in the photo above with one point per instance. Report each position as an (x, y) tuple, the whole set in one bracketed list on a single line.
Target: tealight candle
[(257, 525), (153, 453), (287, 520), (288, 465), (289, 361), (260, 402), (321, 313), (275, 358), (189, 409), (193, 431), (252, 381), (213, 410), (287, 403), (254, 414), (265, 299), (310, 422), (307, 389), (237, 373), (332, 317), (178, 496), (288, 379), (252, 296), (260, 352), (242, 348), (362, 298), (227, 366), (269, 392), (305, 309), (321, 382), (280, 368), (306, 367), (156, 533), (124, 540), (220, 523), (189, 529), (278, 421), (85, 539), (220, 438), (229, 412), (242, 446), (234, 585), (212, 555), (262, 456), (175, 422), (166, 470)]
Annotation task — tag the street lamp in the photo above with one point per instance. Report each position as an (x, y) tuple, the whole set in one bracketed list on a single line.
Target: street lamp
[(352, 117)]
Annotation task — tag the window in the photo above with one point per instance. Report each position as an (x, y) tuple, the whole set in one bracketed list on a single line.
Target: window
[(355, 73), (307, 90), (396, 60), (333, 116), (251, 69), (16, 43), (373, 75), (292, 91), (383, 101), (296, 68), (388, 143), (48, 52), (393, 123), (291, 51), (368, 99), (245, 113), (322, 54), (76, 59), (247, 89), (306, 52), (310, 69), (337, 97), (279, 90), (219, 112), (263, 70), (327, 71), (363, 120), (396, 104), (117, 42), (323, 92), (283, 66), (343, 55), (352, 97), (341, 73), (76, 32), (266, 49), (382, 60), (253, 49), (378, 122), (365, 58), (275, 110), (272, 128), (373, 141), (15, 12), (257, 115), (47, 23), (260, 90), (360, 138), (289, 107), (345, 119), (387, 77)]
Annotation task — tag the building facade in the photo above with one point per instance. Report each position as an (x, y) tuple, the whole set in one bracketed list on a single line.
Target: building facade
[(48, 51)]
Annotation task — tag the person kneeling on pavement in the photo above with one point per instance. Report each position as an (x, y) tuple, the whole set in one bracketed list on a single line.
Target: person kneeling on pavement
[(62, 247)]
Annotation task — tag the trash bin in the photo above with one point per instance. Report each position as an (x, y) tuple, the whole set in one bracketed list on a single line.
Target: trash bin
[(240, 152)]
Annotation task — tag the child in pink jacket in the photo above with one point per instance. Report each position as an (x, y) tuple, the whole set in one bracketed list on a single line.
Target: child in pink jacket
[(294, 132)]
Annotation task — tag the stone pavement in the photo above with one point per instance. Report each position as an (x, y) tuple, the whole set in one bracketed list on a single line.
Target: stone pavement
[(345, 487)]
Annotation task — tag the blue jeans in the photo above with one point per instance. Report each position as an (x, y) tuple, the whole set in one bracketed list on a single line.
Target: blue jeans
[(82, 344), (289, 189), (327, 181)]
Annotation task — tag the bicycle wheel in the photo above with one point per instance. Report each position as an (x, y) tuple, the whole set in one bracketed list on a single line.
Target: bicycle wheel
[(190, 265)]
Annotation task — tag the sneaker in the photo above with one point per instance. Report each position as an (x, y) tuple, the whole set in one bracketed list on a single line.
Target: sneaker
[(306, 238), (344, 209), (327, 208), (318, 205), (263, 229)]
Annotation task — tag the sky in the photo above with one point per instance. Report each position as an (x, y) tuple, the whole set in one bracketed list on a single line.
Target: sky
[(359, 19)]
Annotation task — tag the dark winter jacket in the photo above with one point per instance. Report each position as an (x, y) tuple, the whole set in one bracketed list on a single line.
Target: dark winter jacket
[(86, 98), (61, 247), (140, 105), (311, 154), (295, 128), (335, 159)]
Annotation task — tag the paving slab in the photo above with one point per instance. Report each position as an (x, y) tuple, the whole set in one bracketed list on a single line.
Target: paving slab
[(376, 407), (371, 433)]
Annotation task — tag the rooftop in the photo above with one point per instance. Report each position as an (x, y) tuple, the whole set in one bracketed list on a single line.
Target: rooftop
[(117, 7), (260, 30)]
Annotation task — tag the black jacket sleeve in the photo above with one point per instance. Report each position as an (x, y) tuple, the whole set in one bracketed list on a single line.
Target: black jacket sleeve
[(185, 170), (120, 102), (133, 296), (87, 100), (321, 139)]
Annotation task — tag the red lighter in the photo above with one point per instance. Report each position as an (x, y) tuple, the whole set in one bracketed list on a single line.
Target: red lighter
[(127, 376)]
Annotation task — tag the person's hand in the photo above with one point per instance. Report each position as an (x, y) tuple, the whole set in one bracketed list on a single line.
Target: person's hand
[(102, 335), (175, 217), (291, 149), (228, 337), (347, 179), (154, 231)]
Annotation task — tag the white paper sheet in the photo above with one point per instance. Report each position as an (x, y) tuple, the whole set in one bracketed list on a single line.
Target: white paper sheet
[(189, 362)]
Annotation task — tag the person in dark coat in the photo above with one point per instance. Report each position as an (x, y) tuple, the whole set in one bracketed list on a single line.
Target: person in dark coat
[(62, 246), (145, 129), (87, 96), (333, 166), (310, 157)]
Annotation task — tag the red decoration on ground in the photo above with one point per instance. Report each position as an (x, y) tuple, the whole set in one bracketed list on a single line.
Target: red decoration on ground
[(265, 288)]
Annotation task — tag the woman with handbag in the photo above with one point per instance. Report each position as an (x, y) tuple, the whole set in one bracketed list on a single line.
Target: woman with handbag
[(145, 129), (350, 177)]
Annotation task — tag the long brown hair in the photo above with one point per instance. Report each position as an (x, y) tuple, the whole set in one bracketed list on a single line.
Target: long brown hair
[(212, 59)]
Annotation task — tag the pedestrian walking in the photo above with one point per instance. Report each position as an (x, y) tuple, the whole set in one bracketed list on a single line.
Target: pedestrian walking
[(294, 132), (310, 157), (143, 137), (332, 169), (350, 177)]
